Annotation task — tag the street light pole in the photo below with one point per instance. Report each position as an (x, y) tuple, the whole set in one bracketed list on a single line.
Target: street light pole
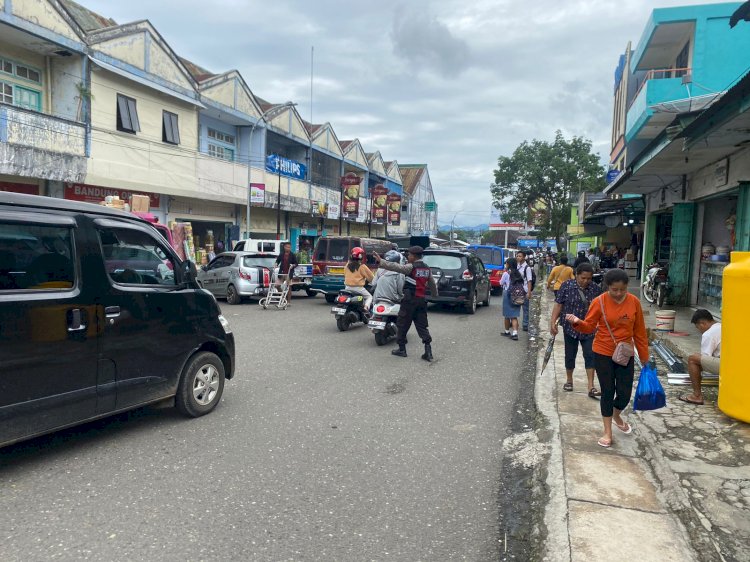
[(262, 116)]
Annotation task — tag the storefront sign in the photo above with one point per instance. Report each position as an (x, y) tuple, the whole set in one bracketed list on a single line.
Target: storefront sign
[(27, 188), (612, 175), (283, 166), (318, 208), (96, 194), (394, 209), (333, 211), (350, 186), (379, 195), (497, 222), (362, 212), (721, 173), (258, 193)]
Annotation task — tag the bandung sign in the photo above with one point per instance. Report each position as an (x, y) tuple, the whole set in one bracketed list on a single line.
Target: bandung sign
[(350, 186), (96, 194), (379, 195), (258, 193), (393, 201), (283, 166)]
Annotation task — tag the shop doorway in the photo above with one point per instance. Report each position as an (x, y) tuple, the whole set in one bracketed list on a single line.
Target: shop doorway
[(209, 238), (663, 242)]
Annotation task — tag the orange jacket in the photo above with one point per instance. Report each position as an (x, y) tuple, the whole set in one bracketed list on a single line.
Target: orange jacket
[(559, 275), (625, 319)]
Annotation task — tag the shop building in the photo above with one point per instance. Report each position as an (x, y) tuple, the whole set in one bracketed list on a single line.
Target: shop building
[(421, 207)]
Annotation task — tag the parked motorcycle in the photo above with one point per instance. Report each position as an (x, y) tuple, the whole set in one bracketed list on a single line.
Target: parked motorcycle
[(656, 285), (349, 309), (383, 321)]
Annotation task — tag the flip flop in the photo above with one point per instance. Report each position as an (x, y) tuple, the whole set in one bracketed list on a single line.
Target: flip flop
[(604, 443), (687, 400), (627, 431), (568, 387), (594, 393)]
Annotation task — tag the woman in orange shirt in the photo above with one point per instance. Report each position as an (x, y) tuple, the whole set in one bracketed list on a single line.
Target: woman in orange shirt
[(625, 317), (560, 274)]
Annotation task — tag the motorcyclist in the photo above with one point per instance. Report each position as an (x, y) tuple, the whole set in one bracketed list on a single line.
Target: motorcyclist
[(389, 285), (357, 275), (414, 304)]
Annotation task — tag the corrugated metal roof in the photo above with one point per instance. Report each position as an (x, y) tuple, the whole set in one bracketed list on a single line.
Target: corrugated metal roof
[(85, 18), (345, 144), (198, 73), (411, 174)]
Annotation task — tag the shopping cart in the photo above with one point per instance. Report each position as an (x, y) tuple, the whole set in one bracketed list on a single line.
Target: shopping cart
[(277, 294)]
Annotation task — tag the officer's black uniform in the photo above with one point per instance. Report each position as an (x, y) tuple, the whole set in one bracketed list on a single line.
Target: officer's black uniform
[(414, 303)]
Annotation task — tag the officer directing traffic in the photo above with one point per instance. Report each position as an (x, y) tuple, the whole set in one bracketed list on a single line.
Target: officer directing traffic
[(414, 303)]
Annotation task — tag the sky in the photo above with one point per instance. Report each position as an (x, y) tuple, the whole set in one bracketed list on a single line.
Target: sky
[(454, 84)]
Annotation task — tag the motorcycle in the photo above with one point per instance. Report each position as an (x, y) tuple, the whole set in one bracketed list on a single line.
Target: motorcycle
[(656, 285), (383, 321), (349, 309)]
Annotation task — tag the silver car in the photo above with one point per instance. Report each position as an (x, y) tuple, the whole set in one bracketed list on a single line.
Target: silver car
[(237, 275)]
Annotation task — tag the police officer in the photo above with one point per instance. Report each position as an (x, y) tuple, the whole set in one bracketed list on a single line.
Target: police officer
[(414, 303)]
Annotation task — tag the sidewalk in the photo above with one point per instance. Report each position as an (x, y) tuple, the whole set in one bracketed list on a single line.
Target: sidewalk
[(677, 489)]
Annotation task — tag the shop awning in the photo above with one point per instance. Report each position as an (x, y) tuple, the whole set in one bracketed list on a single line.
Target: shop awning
[(627, 208)]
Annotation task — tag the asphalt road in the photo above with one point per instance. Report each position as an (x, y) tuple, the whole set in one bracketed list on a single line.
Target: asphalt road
[(325, 447)]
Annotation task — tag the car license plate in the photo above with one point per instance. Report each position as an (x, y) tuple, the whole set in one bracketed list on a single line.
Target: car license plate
[(376, 324), (336, 270), (335, 310)]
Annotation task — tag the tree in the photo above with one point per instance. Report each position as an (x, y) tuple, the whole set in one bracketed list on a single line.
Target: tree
[(546, 176)]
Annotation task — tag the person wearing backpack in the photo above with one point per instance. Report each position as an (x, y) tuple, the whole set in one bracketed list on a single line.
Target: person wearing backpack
[(514, 295), (529, 276)]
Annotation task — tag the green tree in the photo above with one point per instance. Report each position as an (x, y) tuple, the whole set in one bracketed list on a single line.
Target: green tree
[(546, 175)]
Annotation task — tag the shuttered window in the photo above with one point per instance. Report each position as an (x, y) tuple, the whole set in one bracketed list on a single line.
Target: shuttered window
[(127, 115), (170, 132)]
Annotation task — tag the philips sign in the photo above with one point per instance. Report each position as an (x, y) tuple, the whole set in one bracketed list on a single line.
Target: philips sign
[(283, 166)]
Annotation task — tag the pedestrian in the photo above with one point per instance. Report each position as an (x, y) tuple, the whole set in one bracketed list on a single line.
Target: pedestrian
[(617, 318), (357, 275), (581, 258), (511, 281), (303, 256), (593, 259), (528, 275), (286, 262), (574, 297), (414, 304), (560, 274), (708, 359)]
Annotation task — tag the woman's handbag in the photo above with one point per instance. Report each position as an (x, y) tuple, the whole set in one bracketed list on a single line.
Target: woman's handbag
[(624, 351)]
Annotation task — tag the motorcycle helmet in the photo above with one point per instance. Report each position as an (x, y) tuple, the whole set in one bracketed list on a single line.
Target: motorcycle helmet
[(357, 253), (393, 255)]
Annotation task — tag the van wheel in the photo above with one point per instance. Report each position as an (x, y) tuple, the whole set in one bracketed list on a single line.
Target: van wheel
[(311, 293), (330, 299), (471, 306), (232, 296), (201, 385)]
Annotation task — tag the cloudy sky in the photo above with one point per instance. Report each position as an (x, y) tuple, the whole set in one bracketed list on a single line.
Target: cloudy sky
[(450, 83)]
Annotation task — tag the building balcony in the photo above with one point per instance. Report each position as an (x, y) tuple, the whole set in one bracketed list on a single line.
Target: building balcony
[(647, 116), (37, 145)]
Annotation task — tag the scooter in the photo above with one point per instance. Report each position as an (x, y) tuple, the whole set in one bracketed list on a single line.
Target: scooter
[(349, 309), (656, 285), (383, 321)]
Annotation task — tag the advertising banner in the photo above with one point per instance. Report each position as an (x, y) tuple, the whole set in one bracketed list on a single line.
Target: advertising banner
[(394, 209), (350, 185), (95, 194), (258, 193), (26, 188), (283, 166), (333, 211), (497, 222), (318, 208), (379, 196), (362, 213)]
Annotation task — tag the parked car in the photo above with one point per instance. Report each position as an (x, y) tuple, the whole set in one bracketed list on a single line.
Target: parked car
[(98, 315), (330, 256), (238, 275), (461, 278), (258, 245), (493, 258)]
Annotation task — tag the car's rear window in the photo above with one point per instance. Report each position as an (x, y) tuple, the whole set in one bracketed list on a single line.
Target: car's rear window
[(485, 254), (36, 257), (254, 261), (338, 250), (444, 261)]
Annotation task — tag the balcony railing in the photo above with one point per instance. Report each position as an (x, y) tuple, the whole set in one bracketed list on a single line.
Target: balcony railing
[(32, 129), (660, 74)]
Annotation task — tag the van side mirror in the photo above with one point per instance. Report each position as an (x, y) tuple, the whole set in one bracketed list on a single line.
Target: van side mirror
[(188, 272)]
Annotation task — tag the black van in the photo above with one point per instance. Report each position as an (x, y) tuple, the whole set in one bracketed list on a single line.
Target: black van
[(98, 315)]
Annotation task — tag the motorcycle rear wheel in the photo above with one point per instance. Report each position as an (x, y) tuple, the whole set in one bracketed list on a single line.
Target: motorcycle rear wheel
[(342, 323), (661, 295), (648, 293), (381, 338)]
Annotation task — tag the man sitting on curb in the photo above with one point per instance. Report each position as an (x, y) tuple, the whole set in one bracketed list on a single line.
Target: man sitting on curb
[(708, 359)]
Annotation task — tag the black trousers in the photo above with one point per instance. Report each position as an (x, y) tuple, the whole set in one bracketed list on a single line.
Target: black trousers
[(413, 309), (616, 382)]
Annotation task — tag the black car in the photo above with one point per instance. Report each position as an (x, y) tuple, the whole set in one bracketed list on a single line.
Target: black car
[(98, 315), (461, 278)]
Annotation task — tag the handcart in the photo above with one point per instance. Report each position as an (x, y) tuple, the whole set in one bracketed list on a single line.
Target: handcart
[(277, 294)]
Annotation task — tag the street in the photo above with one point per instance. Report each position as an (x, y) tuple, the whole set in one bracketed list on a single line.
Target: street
[(325, 447)]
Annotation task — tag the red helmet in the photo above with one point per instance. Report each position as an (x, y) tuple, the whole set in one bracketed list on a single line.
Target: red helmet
[(357, 253)]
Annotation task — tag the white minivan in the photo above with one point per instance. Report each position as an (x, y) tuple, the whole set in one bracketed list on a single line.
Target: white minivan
[(256, 245)]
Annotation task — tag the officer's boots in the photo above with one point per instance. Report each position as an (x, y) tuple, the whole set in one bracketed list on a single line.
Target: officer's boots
[(427, 355), (400, 352)]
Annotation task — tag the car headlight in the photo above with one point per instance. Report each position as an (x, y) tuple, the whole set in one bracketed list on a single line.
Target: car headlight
[(225, 324)]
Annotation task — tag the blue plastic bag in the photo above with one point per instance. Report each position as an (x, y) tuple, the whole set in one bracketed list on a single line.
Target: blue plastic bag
[(649, 394)]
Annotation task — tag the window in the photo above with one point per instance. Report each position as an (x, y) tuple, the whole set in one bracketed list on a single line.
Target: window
[(22, 97), (34, 257), (127, 115), (221, 137), (133, 257), (170, 132), (444, 261), (28, 73), (259, 261), (682, 61), (6, 66), (221, 152), (6, 93)]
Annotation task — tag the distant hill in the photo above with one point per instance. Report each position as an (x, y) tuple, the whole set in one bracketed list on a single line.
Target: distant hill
[(476, 228)]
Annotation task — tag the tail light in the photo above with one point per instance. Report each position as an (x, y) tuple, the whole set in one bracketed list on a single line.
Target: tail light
[(246, 275), (316, 270), (342, 298), (466, 275), (266, 278), (380, 308)]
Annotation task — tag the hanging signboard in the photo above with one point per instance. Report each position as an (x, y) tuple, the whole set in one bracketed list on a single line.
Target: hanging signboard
[(258, 193), (333, 211), (350, 187), (394, 209), (497, 222), (283, 166), (318, 208), (362, 212), (379, 195)]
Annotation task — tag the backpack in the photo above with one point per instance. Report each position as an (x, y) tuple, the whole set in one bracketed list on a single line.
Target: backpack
[(533, 276), (517, 294)]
